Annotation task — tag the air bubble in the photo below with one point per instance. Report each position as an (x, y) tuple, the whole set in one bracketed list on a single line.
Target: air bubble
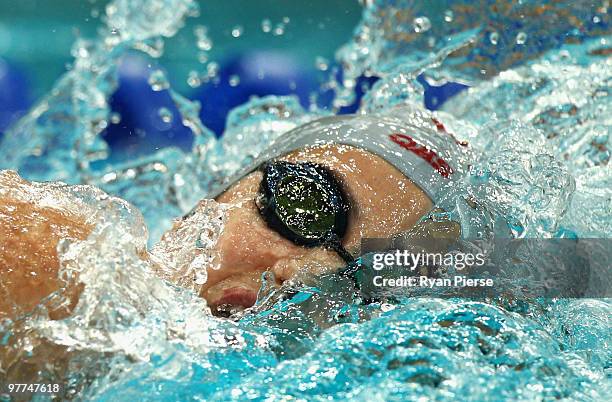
[(521, 38)]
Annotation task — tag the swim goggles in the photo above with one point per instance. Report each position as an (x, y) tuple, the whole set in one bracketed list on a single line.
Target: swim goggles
[(305, 204)]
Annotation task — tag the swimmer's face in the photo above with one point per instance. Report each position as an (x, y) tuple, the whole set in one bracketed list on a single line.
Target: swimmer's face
[(382, 202)]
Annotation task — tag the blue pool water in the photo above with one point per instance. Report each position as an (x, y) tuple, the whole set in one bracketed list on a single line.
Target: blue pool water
[(538, 110)]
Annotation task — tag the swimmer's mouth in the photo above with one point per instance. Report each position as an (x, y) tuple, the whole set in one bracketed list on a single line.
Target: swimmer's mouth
[(233, 300)]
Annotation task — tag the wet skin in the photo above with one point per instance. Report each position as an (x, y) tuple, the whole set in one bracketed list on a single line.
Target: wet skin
[(29, 234), (383, 202)]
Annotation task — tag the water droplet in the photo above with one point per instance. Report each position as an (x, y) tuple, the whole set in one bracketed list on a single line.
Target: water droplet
[(234, 80), (203, 41), (448, 15), (115, 118), (601, 93), (158, 81), (165, 115), (111, 9), (279, 30), (494, 37), (321, 63), (266, 25), (200, 30), (237, 31), (200, 241), (193, 11), (202, 57), (198, 267), (212, 69), (421, 24), (193, 79), (521, 38), (82, 52)]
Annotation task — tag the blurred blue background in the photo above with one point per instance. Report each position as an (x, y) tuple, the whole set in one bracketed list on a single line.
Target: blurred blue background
[(253, 48), (259, 48)]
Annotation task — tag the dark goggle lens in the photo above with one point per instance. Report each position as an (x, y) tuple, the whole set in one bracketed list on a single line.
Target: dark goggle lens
[(304, 208), (303, 202)]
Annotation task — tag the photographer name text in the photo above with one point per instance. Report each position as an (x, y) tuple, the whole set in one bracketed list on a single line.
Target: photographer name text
[(405, 259)]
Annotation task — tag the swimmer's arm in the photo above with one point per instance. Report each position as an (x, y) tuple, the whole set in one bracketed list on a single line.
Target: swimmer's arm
[(29, 235)]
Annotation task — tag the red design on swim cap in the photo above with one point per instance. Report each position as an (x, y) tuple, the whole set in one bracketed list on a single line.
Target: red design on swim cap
[(440, 127), (439, 164), (438, 124)]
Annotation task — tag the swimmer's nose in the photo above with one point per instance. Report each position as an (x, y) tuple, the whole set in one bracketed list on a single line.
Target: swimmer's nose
[(313, 262), (246, 249), (282, 271)]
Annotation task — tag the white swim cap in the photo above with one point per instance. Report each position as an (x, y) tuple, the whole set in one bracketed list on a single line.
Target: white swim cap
[(412, 140)]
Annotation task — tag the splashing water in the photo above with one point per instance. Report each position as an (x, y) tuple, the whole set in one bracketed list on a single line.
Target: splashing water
[(139, 331), (565, 95), (504, 34), (59, 138)]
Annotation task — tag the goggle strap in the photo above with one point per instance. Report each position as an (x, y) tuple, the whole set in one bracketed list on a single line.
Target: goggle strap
[(334, 243)]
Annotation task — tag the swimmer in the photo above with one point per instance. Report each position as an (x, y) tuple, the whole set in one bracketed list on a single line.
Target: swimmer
[(302, 208)]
